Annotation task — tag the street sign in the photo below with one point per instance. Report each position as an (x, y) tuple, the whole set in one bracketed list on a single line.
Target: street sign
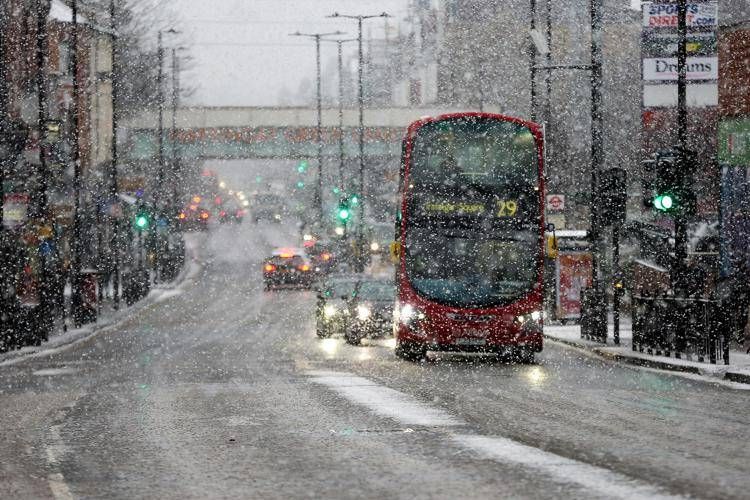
[(555, 202)]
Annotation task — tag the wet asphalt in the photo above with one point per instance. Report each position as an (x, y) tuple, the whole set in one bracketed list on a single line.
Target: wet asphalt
[(212, 393)]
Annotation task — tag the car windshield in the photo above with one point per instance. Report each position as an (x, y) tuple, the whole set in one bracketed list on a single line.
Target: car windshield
[(340, 289), (376, 290)]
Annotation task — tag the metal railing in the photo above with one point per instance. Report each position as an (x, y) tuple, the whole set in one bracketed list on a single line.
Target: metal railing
[(673, 326)]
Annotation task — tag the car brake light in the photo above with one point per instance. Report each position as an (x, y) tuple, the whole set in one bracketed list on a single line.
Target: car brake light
[(204, 215), (182, 216), (222, 213), (270, 267), (326, 256), (196, 199), (304, 267), (193, 207)]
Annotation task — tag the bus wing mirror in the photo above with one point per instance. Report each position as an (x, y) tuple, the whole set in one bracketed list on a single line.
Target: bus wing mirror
[(395, 251)]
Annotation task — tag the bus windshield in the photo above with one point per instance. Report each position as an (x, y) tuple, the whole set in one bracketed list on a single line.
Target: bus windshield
[(473, 151), (463, 270)]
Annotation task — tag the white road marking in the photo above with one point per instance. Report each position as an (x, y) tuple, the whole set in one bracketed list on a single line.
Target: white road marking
[(598, 480), (410, 411), (385, 401), (58, 487), (50, 372), (55, 450)]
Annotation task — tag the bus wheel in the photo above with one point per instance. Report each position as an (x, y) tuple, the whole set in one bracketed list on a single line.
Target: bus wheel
[(410, 352)]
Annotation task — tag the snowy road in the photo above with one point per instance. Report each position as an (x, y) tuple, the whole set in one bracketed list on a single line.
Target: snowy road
[(224, 391)]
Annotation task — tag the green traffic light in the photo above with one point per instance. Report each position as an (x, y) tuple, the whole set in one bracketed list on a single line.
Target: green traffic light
[(664, 202), (344, 213), (336, 190), (141, 221), (300, 184), (302, 167), (354, 199)]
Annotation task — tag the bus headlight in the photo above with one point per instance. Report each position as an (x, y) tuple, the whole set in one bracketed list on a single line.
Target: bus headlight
[(363, 312), (408, 314), (329, 311), (531, 321)]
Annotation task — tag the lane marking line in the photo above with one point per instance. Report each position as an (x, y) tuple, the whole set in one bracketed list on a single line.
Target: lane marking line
[(55, 451), (407, 410), (385, 401), (596, 479), (58, 487)]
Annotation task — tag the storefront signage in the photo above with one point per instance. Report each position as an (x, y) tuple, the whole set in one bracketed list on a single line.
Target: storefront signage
[(664, 15), (665, 68), (15, 210)]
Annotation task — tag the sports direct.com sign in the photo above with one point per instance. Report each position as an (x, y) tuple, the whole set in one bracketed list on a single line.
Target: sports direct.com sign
[(664, 15)]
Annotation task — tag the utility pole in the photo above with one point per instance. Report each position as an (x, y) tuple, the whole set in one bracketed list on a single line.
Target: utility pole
[(548, 62), (115, 248), (159, 189), (532, 61), (318, 191), (175, 159), (76, 281), (594, 326), (680, 220), (42, 12), (359, 264), (340, 53)]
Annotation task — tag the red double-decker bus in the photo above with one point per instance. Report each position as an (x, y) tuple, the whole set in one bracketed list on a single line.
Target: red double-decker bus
[(470, 236)]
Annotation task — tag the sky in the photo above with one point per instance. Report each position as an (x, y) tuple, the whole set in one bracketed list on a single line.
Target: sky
[(243, 54)]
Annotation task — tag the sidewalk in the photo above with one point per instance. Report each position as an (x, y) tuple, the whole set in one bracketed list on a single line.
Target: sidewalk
[(737, 371), (109, 317)]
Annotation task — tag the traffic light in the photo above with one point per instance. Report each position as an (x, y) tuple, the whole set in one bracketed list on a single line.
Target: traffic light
[(663, 202), (612, 196), (302, 166), (671, 190), (354, 199), (300, 184), (142, 220), (343, 211)]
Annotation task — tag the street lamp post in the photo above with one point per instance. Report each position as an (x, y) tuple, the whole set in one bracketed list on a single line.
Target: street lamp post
[(159, 202), (113, 168), (175, 103), (340, 53), (361, 129), (76, 278), (159, 191), (532, 61), (42, 12), (317, 195)]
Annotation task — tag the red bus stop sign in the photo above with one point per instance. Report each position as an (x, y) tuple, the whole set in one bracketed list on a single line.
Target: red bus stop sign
[(555, 202)]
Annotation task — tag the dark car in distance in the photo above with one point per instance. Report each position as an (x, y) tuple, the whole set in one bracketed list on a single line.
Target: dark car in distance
[(333, 304), (288, 266), (370, 309)]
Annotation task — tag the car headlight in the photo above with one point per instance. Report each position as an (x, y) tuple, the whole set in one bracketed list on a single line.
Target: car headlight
[(329, 311), (374, 246), (408, 314), (363, 312)]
